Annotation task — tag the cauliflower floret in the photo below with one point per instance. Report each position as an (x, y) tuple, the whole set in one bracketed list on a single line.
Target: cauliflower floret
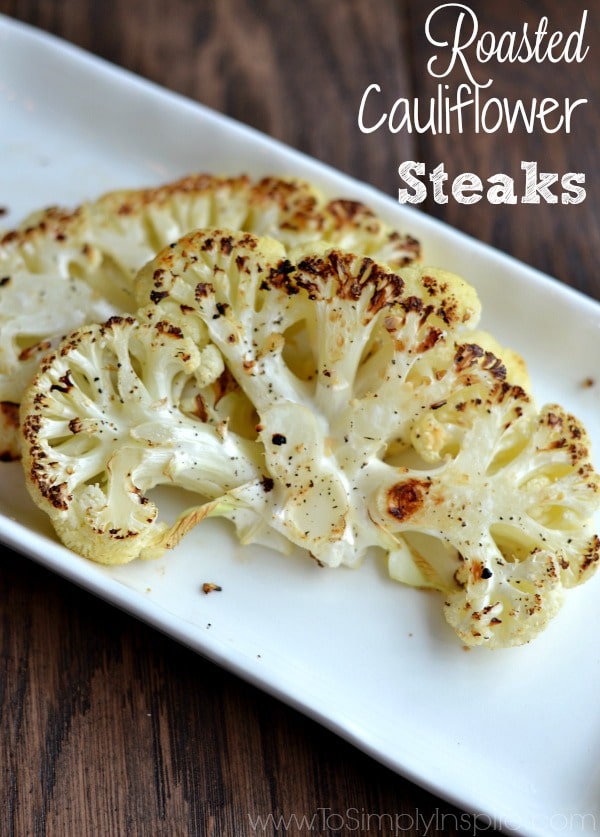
[(62, 269), (117, 410), (516, 365)]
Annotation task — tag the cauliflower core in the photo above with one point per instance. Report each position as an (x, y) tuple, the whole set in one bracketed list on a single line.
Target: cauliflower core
[(63, 269), (359, 415)]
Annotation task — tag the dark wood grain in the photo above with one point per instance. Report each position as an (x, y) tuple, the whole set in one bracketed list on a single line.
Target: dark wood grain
[(107, 727)]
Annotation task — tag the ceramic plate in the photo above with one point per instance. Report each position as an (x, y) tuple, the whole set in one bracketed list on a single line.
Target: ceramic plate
[(513, 736)]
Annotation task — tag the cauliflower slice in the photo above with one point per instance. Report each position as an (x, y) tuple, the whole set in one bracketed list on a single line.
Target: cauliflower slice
[(511, 502), (42, 296), (31, 325), (289, 209), (117, 410), (382, 428), (365, 328), (62, 269)]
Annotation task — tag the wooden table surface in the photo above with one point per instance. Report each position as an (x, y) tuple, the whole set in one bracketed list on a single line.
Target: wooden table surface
[(106, 726)]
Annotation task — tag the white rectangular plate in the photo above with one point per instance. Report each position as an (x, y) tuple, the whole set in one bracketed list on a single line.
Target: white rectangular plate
[(513, 735)]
